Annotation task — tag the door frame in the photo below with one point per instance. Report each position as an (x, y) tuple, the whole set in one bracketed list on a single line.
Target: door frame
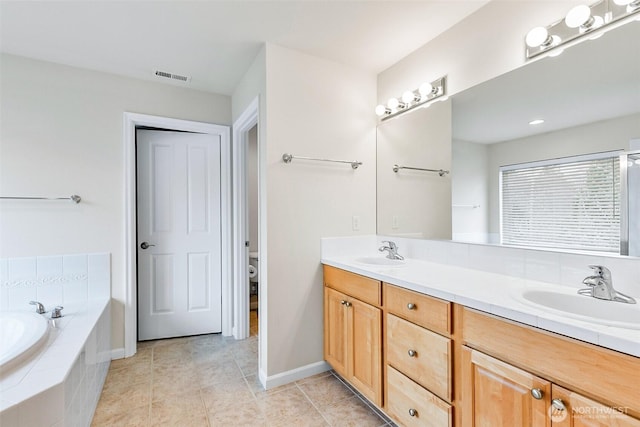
[(130, 122), (245, 122)]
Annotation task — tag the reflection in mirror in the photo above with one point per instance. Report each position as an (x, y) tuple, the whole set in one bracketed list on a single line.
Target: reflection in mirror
[(589, 99), (415, 203)]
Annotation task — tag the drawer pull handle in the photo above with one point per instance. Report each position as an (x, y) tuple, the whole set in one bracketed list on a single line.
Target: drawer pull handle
[(536, 393), (413, 412), (347, 303), (411, 306), (343, 302), (412, 353)]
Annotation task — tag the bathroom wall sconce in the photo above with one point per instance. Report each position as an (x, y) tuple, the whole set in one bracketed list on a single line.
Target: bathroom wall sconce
[(580, 21), (410, 99)]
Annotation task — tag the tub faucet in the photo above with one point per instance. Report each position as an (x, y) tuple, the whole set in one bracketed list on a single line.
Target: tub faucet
[(390, 247), (56, 313), (601, 286), (39, 307)]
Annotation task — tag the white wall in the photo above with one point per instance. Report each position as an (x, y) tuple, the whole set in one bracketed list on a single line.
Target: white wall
[(62, 133), (315, 108), (415, 203), (470, 192), (484, 45)]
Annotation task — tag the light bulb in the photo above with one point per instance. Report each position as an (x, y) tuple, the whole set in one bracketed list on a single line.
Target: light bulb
[(537, 36), (393, 103), (408, 97), (578, 16), (381, 110), (425, 89)]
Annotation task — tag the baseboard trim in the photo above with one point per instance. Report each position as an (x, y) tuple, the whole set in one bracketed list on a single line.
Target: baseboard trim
[(117, 353), (293, 375)]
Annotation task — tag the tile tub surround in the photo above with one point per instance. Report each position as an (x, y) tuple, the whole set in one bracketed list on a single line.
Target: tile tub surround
[(487, 278), (60, 384), (54, 280), (210, 380)]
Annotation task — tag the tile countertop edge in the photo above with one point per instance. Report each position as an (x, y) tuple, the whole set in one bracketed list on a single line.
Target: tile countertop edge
[(619, 339)]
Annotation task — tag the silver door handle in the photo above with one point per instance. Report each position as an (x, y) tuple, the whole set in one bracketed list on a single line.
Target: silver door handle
[(145, 245)]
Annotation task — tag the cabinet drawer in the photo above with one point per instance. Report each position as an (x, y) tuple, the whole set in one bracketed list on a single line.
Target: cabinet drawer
[(363, 288), (412, 405), (422, 355), (423, 310)]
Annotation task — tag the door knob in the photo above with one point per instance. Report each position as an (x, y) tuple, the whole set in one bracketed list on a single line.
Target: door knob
[(145, 245)]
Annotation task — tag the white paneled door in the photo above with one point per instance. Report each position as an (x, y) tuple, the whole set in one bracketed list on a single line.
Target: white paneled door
[(179, 234)]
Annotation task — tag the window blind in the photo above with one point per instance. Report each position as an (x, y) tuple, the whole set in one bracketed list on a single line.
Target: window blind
[(571, 204)]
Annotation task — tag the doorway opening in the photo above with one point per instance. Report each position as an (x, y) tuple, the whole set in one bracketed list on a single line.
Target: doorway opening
[(132, 121), (252, 226)]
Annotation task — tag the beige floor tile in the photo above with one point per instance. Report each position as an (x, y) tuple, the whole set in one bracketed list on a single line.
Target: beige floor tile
[(211, 380), (242, 412), (124, 398), (184, 410), (351, 413), (136, 417), (171, 353), (234, 391), (325, 391), (313, 419), (290, 403), (257, 389), (172, 385), (218, 372)]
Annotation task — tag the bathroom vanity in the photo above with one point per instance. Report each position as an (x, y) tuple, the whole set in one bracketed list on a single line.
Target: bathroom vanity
[(439, 355)]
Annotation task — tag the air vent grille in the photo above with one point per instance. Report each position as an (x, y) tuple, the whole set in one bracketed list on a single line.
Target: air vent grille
[(172, 76)]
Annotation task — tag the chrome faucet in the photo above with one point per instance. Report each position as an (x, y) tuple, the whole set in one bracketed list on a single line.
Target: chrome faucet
[(56, 313), (39, 307), (390, 247), (601, 286)]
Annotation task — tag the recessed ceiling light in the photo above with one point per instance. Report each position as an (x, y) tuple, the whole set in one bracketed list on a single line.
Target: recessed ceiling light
[(536, 122)]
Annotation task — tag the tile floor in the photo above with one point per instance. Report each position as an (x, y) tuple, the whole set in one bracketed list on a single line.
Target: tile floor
[(209, 380)]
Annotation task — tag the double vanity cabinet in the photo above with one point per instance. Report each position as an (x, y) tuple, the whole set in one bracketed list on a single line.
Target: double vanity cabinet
[(430, 362)]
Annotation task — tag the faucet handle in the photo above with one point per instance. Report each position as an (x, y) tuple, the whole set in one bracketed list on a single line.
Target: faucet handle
[(601, 271), (39, 307), (56, 313), (392, 245)]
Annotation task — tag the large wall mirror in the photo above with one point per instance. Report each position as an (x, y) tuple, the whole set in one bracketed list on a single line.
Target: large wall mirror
[(589, 99)]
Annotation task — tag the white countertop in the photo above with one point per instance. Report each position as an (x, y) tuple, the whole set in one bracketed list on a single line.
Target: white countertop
[(496, 294)]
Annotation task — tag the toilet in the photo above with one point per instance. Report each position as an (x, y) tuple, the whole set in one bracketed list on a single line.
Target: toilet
[(253, 279)]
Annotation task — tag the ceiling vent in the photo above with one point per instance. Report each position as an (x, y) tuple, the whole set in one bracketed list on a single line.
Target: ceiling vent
[(177, 77)]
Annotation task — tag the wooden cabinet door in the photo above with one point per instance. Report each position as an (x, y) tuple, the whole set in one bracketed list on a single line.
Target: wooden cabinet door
[(571, 409), (496, 394), (365, 349), (335, 330)]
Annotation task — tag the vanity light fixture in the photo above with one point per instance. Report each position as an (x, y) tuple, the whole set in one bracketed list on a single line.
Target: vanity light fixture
[(631, 4), (579, 21), (422, 96), (580, 17)]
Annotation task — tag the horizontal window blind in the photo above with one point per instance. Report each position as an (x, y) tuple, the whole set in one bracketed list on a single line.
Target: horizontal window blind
[(571, 205)]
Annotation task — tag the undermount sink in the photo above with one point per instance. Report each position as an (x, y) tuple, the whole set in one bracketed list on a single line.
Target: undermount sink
[(372, 260), (571, 304)]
